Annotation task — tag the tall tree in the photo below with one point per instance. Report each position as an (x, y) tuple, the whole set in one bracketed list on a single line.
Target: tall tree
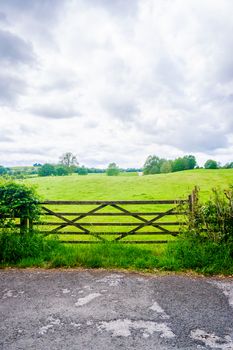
[(68, 159), (211, 164), (152, 165), (190, 162)]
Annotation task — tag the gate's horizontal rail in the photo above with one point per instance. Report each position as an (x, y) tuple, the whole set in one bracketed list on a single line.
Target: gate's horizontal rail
[(160, 223), (168, 201), (124, 242), (117, 214), (138, 233)]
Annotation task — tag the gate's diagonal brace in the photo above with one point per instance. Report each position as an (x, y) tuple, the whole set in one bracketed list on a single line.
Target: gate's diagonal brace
[(141, 218), (80, 217), (66, 220), (147, 224)]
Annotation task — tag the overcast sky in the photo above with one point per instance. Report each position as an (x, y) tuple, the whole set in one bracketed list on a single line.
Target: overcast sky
[(115, 80)]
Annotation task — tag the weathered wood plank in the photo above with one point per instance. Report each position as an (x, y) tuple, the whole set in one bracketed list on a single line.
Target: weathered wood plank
[(44, 223), (145, 233), (117, 214), (144, 202), (121, 242)]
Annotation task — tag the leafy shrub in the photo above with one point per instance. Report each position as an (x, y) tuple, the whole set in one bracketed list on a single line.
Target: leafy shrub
[(62, 170), (214, 219), (17, 201)]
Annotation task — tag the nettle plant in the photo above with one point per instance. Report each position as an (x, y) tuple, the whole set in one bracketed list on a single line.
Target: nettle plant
[(17, 201)]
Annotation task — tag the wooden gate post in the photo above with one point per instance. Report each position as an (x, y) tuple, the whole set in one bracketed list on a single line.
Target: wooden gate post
[(193, 200), (23, 225)]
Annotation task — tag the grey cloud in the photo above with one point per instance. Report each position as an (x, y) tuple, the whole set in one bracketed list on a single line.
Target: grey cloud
[(55, 112), (120, 107), (59, 85), (188, 134), (41, 9), (125, 111), (3, 17), (11, 88), (27, 150), (5, 138), (168, 72), (15, 50), (200, 140)]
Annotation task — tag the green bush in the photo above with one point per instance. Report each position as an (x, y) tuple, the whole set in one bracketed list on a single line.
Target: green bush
[(17, 201)]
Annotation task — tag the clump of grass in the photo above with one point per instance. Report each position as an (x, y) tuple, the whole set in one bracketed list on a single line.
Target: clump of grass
[(15, 246), (25, 250), (203, 256), (105, 255)]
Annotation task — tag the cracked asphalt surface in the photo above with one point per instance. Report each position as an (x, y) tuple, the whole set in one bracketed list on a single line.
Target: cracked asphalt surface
[(94, 309)]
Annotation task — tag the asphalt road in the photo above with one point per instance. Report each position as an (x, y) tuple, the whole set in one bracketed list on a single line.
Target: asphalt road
[(73, 309)]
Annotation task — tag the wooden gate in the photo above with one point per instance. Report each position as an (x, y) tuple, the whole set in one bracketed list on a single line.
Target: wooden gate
[(123, 221)]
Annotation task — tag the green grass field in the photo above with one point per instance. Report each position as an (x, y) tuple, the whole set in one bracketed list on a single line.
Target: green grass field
[(101, 187)]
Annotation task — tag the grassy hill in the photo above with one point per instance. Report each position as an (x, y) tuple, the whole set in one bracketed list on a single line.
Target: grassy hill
[(101, 187)]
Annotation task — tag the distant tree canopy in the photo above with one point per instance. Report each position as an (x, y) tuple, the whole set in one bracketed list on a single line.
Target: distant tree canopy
[(152, 165), (112, 169), (228, 165), (82, 170), (3, 170), (47, 170), (211, 164), (156, 165)]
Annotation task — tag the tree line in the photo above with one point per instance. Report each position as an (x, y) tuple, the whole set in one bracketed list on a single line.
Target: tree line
[(68, 164)]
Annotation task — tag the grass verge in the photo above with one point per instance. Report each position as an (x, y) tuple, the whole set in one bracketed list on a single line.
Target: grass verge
[(185, 254)]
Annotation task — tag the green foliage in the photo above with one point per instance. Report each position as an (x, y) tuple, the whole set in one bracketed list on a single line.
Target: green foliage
[(4, 170), (214, 219), (184, 163), (112, 170), (82, 170), (152, 165), (17, 201), (47, 170), (228, 165), (178, 164), (62, 170), (211, 164), (54, 170), (156, 165), (14, 247), (166, 167)]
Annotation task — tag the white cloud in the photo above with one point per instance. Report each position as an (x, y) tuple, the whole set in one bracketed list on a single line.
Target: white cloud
[(116, 81)]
